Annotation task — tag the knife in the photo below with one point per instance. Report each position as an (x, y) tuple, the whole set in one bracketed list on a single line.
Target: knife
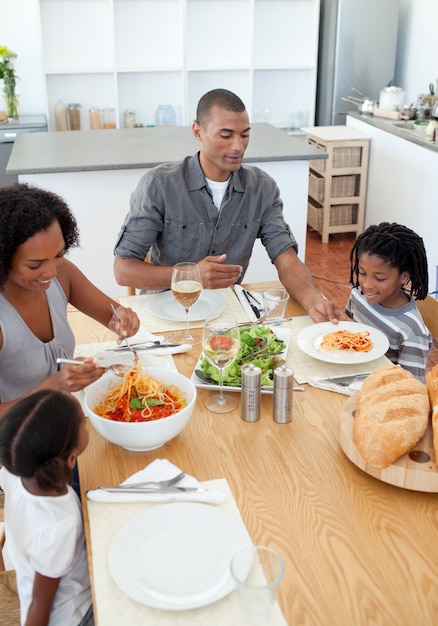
[(342, 380), (139, 347), (152, 490), (253, 306)]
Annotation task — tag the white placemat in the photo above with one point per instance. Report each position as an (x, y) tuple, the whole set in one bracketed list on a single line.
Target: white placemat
[(154, 324), (305, 366), (113, 608)]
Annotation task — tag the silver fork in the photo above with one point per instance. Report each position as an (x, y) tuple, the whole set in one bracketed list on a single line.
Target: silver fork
[(153, 484), (128, 345)]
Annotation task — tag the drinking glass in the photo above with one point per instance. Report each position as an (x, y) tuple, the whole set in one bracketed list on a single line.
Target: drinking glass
[(186, 285), (257, 572), (221, 342)]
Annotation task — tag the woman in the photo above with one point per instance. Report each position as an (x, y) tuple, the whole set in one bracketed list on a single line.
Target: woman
[(36, 284)]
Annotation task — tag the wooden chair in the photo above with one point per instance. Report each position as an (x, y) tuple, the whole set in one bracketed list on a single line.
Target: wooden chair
[(429, 312), (9, 603)]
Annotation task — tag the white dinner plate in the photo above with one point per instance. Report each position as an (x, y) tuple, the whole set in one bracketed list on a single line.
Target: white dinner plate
[(309, 340), (126, 358), (165, 306), (283, 334), (176, 556)]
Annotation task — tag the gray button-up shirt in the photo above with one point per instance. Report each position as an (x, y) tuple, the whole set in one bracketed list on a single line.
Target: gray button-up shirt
[(173, 217)]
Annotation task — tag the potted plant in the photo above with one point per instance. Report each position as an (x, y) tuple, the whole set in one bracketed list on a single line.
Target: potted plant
[(7, 73)]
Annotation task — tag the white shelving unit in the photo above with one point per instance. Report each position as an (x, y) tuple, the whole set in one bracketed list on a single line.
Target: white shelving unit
[(142, 53)]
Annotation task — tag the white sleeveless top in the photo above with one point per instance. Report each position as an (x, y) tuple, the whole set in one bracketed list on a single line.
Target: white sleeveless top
[(25, 360)]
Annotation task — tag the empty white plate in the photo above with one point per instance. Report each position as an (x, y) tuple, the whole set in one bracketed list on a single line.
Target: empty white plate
[(176, 556)]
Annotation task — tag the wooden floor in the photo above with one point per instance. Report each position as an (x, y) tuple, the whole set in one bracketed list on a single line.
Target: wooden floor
[(330, 267)]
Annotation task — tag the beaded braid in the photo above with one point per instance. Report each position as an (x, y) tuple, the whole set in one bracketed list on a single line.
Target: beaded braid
[(401, 247)]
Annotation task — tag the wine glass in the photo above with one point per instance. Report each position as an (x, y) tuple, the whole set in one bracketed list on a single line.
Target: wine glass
[(186, 285), (220, 343)]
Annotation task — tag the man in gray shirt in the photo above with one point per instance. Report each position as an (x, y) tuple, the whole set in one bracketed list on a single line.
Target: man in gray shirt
[(209, 209)]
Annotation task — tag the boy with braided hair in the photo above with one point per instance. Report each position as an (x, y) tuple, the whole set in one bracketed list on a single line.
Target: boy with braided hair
[(388, 271)]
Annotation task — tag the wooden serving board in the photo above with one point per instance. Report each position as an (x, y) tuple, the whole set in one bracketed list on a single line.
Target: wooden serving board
[(414, 470)]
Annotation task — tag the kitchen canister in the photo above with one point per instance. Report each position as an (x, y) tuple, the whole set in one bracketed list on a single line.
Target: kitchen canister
[(283, 394), (251, 391), (165, 116), (74, 116), (61, 120), (391, 98)]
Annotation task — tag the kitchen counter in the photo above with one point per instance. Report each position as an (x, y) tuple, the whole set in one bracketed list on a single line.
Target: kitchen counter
[(97, 171), (402, 182), (131, 148), (399, 128)]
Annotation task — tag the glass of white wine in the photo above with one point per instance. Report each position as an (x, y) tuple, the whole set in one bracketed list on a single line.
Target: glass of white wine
[(186, 285), (221, 343)]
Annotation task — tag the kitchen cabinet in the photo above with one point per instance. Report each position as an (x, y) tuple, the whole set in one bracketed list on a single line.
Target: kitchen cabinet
[(141, 53), (337, 185)]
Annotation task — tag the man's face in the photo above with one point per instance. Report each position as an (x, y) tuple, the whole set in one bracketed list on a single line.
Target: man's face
[(223, 142)]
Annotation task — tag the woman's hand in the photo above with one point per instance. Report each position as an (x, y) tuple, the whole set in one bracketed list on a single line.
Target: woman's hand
[(75, 377), (128, 325)]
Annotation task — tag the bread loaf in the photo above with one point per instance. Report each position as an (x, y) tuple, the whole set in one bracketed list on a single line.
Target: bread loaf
[(392, 415), (432, 388)]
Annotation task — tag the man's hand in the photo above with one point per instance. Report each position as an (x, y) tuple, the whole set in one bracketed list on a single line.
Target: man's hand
[(325, 311), (216, 274)]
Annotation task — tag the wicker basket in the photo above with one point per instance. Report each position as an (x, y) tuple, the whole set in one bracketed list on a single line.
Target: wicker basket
[(342, 186), (341, 157), (339, 214)]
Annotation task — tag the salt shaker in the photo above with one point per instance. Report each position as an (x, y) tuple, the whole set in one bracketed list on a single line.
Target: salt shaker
[(283, 394), (251, 389)]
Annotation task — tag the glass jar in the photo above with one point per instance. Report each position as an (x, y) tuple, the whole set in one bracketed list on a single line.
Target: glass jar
[(109, 118), (61, 120), (165, 116), (129, 118), (74, 116), (95, 119)]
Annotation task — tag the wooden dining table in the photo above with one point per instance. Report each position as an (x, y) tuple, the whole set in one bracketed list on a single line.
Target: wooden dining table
[(357, 551)]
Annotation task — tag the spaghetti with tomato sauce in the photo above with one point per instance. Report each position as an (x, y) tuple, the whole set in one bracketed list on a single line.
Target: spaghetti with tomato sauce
[(346, 340), (140, 398)]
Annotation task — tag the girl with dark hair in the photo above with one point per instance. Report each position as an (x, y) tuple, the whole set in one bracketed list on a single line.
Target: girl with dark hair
[(41, 437), (36, 284), (388, 272)]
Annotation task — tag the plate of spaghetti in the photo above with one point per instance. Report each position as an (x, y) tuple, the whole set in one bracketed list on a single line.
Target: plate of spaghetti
[(346, 342), (144, 409)]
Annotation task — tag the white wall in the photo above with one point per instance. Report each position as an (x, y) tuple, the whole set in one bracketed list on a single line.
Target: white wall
[(20, 32), (416, 58)]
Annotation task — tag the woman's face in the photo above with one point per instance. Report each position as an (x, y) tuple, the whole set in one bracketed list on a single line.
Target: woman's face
[(380, 282), (36, 261)]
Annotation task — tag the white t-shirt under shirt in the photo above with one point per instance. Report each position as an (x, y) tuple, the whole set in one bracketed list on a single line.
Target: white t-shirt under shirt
[(218, 190), (45, 534)]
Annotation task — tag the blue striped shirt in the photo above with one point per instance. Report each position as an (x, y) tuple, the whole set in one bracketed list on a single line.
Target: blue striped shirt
[(409, 338)]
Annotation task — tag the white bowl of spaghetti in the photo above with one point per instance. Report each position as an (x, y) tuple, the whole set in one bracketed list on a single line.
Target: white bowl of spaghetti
[(160, 404)]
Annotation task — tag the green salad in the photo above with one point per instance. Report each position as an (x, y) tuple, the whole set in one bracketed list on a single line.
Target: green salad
[(258, 345)]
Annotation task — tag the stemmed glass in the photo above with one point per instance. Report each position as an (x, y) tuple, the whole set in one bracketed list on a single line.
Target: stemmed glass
[(186, 285), (220, 343)]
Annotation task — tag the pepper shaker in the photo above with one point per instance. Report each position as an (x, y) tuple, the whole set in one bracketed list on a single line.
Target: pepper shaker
[(283, 395), (251, 390)]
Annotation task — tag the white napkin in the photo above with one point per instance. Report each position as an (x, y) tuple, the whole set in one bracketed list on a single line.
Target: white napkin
[(329, 385), (143, 335), (246, 305), (160, 469)]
